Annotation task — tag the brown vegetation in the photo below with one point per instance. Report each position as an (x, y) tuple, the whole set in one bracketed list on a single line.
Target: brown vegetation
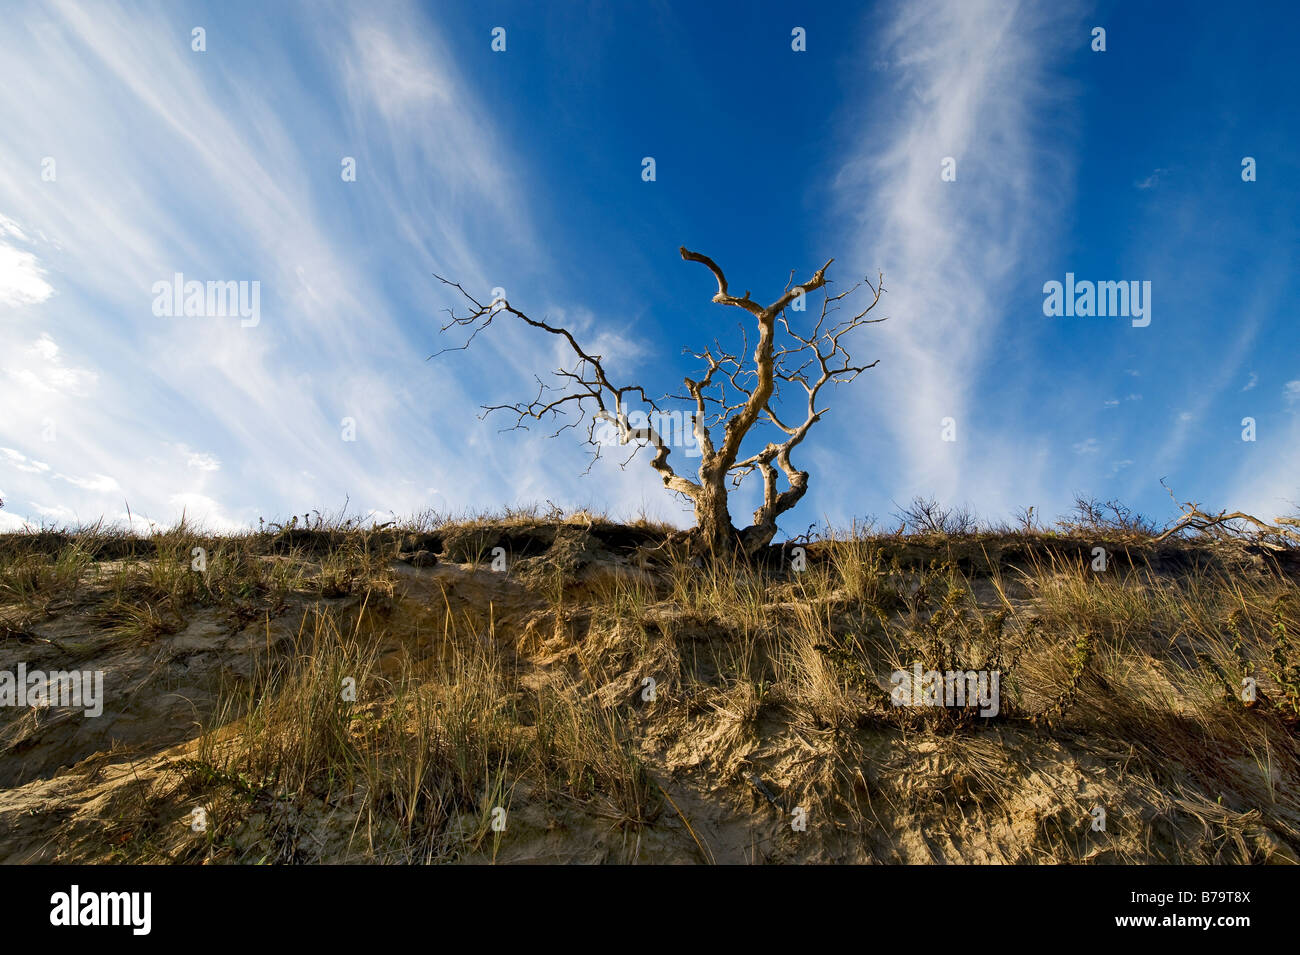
[(526, 689)]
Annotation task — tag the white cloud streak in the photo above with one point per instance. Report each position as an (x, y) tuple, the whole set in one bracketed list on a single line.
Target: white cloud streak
[(218, 181), (966, 79)]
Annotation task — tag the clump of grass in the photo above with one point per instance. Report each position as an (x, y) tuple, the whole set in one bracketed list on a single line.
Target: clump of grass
[(34, 579), (428, 750), (1285, 669)]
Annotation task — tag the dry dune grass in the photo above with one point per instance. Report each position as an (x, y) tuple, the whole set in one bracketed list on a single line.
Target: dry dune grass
[(325, 692)]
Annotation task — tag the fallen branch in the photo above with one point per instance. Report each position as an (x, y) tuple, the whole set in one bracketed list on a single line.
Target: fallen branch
[(1222, 527)]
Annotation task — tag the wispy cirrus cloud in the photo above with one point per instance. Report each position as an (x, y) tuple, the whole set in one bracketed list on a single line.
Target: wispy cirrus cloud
[(964, 87), (22, 279), (1151, 181), (222, 180)]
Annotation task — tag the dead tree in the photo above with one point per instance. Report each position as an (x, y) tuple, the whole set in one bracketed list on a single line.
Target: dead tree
[(732, 398), (1237, 527)]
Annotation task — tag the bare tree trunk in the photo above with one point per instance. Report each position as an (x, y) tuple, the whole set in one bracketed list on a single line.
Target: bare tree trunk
[(759, 534), (713, 532)]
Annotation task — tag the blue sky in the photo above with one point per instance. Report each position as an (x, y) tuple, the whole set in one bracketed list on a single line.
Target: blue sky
[(126, 157)]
